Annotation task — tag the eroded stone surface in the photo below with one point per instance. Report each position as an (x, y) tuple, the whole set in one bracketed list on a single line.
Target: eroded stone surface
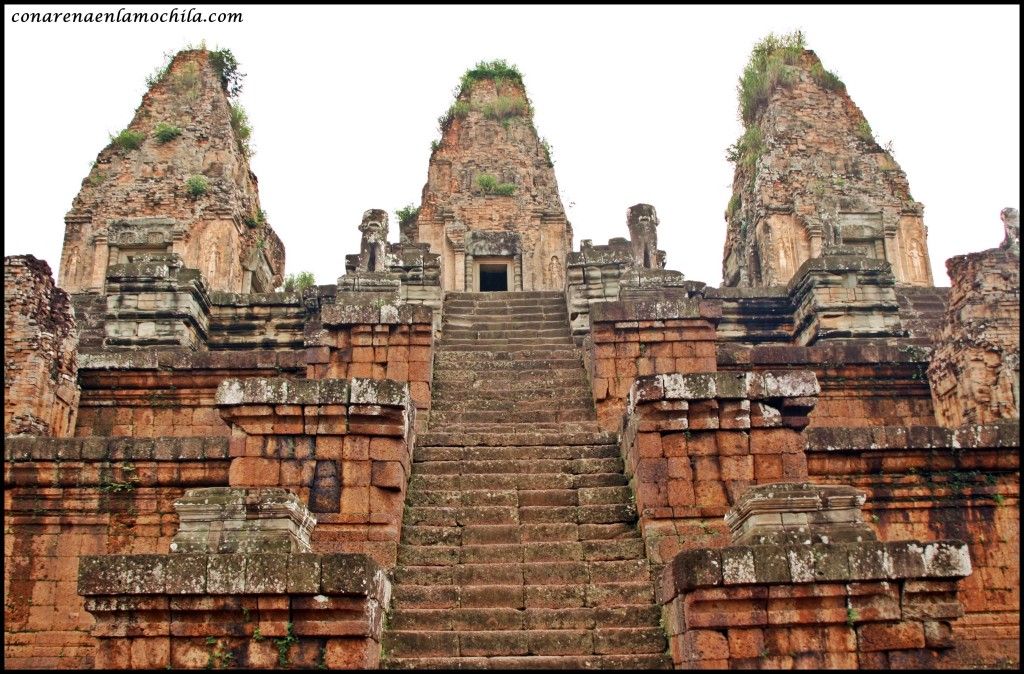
[(137, 202), (222, 520), (41, 390), (463, 222), (819, 179), (773, 514), (975, 369)]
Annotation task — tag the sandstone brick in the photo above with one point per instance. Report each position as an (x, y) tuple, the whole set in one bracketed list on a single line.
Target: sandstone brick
[(890, 636), (704, 645), (254, 472)]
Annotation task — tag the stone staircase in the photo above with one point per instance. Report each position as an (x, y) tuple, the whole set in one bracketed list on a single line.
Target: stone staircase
[(519, 546)]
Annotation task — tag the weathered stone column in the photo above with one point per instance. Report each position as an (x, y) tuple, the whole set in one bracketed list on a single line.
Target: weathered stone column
[(805, 584), (975, 369), (40, 339)]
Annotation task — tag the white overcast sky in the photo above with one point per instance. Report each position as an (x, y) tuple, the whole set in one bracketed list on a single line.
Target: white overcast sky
[(637, 102)]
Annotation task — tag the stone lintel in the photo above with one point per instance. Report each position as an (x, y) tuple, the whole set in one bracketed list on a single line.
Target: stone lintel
[(231, 574), (283, 391), (1000, 434), (374, 311), (818, 270)]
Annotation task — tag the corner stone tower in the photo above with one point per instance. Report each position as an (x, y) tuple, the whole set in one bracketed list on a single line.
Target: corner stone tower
[(137, 202), (490, 207), (810, 177)]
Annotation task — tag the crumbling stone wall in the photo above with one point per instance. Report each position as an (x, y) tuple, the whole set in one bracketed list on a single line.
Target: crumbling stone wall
[(643, 338), (69, 497), (374, 339), (864, 382), (40, 338), (136, 201), (837, 606), (694, 443), (454, 206), (814, 177), (975, 372), (159, 393), (343, 446), (925, 482), (250, 611)]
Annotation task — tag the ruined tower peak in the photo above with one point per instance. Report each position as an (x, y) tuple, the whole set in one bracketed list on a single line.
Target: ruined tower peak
[(810, 178), (177, 180), (491, 199)]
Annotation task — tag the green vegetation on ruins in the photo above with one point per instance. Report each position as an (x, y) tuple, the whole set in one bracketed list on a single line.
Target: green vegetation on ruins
[(864, 132), (407, 214), (187, 82), (296, 283), (226, 65), (747, 150), (496, 70), (242, 128), (197, 185), (257, 220), (501, 109), (165, 132), (490, 185), (769, 66), (128, 140), (505, 107)]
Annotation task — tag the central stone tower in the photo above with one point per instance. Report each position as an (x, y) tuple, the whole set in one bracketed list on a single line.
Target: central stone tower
[(490, 207)]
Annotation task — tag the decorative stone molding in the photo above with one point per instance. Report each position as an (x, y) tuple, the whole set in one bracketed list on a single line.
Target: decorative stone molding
[(226, 520), (798, 512)]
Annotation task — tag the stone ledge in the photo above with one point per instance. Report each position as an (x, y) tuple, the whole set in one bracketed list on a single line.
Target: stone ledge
[(633, 310), (375, 312), (796, 564), (240, 574), (871, 351), (723, 385), (837, 264), (280, 391), (23, 448), (183, 359), (974, 436), (733, 293), (222, 299)]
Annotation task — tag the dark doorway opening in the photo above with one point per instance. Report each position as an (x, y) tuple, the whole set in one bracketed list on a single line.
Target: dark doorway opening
[(493, 278)]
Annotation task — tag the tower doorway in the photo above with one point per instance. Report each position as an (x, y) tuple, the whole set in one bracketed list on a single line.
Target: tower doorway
[(492, 275)]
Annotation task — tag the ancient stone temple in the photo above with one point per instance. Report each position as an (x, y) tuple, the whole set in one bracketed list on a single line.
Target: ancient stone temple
[(480, 448), (186, 189), (490, 207), (811, 177)]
